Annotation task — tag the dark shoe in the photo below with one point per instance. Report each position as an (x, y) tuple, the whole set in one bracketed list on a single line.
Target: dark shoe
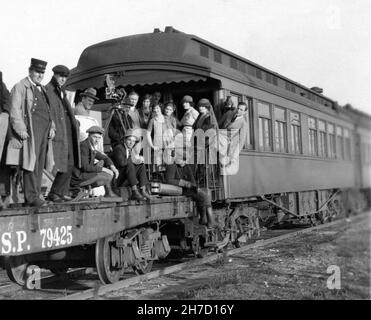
[(37, 203), (137, 196), (53, 197)]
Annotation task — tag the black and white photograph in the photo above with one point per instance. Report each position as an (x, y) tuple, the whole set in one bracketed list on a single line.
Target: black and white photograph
[(185, 157)]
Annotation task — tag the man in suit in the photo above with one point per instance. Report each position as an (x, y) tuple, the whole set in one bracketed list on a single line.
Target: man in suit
[(131, 166), (97, 169), (66, 146), (32, 130)]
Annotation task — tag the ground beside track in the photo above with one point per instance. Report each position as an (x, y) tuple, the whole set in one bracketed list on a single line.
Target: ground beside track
[(295, 268)]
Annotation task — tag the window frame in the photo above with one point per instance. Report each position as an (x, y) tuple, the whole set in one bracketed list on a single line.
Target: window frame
[(277, 124), (313, 138), (263, 120), (296, 127)]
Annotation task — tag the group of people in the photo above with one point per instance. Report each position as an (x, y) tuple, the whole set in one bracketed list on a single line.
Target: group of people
[(44, 133)]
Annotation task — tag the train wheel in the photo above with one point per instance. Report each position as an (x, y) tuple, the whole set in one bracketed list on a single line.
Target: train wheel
[(105, 254), (16, 269)]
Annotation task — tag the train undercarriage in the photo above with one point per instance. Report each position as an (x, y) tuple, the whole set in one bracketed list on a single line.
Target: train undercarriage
[(236, 223)]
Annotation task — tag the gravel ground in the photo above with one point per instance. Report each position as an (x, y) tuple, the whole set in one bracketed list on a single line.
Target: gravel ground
[(296, 268)]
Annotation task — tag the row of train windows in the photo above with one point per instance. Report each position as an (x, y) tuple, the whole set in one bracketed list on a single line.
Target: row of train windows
[(325, 140), (260, 74)]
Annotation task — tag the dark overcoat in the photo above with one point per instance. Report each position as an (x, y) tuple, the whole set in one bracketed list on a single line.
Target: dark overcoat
[(60, 141), (88, 168)]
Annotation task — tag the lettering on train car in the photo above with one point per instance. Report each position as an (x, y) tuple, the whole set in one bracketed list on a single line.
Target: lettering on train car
[(55, 237), (18, 241), (14, 242)]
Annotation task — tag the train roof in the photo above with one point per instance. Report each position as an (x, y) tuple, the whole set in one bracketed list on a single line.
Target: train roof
[(174, 56)]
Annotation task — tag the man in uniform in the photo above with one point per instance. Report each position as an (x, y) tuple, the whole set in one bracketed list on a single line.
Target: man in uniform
[(66, 141), (97, 169), (32, 127)]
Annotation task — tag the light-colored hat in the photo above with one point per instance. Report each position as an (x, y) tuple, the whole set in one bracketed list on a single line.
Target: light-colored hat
[(90, 92), (131, 133)]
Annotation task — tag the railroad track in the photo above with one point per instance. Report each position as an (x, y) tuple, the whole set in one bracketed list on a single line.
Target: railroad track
[(104, 289), (53, 287)]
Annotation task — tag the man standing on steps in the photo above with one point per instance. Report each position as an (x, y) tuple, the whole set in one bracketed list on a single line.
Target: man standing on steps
[(66, 146)]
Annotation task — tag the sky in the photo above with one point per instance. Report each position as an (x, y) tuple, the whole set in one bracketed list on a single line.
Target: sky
[(324, 43)]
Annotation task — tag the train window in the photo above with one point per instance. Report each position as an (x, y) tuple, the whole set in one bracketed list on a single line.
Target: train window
[(322, 148), (312, 136), (204, 51), (332, 141), (280, 129), (233, 63), (242, 66), (274, 80), (265, 126), (347, 151), (295, 132), (248, 142), (251, 70), (290, 87), (217, 56), (268, 77), (236, 98), (259, 73), (339, 140)]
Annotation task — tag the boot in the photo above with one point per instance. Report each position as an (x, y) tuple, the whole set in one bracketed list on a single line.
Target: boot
[(144, 192), (210, 217), (135, 194), (202, 212)]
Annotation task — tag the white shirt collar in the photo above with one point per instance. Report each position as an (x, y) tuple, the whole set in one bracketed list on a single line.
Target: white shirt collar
[(32, 81)]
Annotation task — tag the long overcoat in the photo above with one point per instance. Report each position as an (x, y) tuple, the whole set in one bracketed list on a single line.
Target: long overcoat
[(21, 102), (60, 141)]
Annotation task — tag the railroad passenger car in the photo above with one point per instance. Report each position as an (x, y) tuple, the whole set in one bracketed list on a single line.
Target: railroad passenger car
[(305, 159)]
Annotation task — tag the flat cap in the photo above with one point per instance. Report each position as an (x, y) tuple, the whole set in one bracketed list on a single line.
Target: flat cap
[(38, 65), (61, 70), (95, 129)]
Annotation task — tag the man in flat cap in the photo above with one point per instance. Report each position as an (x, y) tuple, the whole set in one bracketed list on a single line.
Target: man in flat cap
[(66, 146), (97, 169), (88, 97), (32, 130), (131, 165)]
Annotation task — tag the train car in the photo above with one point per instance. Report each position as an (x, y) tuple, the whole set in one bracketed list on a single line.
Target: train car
[(304, 159)]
